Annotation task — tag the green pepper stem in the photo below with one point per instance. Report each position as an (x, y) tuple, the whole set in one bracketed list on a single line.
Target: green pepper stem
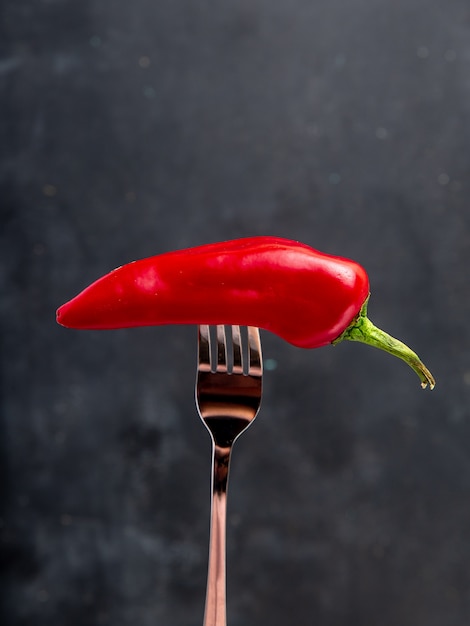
[(363, 330)]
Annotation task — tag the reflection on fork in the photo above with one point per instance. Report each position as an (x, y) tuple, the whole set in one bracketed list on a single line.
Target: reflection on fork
[(228, 397)]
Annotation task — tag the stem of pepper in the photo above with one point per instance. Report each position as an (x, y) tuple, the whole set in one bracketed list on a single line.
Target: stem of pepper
[(363, 330)]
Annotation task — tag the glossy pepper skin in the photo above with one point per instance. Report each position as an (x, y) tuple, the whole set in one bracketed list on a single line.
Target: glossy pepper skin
[(308, 298)]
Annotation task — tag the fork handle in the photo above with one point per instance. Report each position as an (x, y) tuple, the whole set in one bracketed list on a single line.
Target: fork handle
[(216, 610)]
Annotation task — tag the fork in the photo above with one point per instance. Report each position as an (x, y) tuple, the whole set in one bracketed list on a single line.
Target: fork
[(228, 397)]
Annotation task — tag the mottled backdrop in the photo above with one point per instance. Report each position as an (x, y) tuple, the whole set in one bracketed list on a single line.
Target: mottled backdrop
[(132, 128)]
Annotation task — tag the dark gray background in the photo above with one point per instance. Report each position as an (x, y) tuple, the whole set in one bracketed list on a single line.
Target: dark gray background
[(132, 128)]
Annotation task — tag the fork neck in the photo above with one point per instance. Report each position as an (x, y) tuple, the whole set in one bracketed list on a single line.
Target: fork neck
[(221, 468)]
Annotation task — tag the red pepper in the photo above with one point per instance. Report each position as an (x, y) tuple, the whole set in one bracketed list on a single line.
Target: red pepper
[(308, 298)]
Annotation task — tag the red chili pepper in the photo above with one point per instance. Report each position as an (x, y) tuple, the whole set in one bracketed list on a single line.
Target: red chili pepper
[(308, 298)]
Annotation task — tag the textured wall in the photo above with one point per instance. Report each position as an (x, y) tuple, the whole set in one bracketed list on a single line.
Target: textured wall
[(132, 128)]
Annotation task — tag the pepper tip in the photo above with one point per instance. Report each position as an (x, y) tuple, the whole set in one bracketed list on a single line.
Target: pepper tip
[(59, 316)]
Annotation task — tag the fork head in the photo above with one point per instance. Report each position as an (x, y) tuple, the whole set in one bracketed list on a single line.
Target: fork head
[(229, 380)]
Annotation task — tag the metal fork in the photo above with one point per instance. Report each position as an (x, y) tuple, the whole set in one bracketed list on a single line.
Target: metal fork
[(228, 397)]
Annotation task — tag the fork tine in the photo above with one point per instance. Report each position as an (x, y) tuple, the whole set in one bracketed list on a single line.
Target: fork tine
[(237, 367), (204, 348), (255, 365), (221, 349)]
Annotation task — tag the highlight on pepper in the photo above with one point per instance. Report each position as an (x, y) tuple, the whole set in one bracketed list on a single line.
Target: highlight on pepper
[(304, 296)]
